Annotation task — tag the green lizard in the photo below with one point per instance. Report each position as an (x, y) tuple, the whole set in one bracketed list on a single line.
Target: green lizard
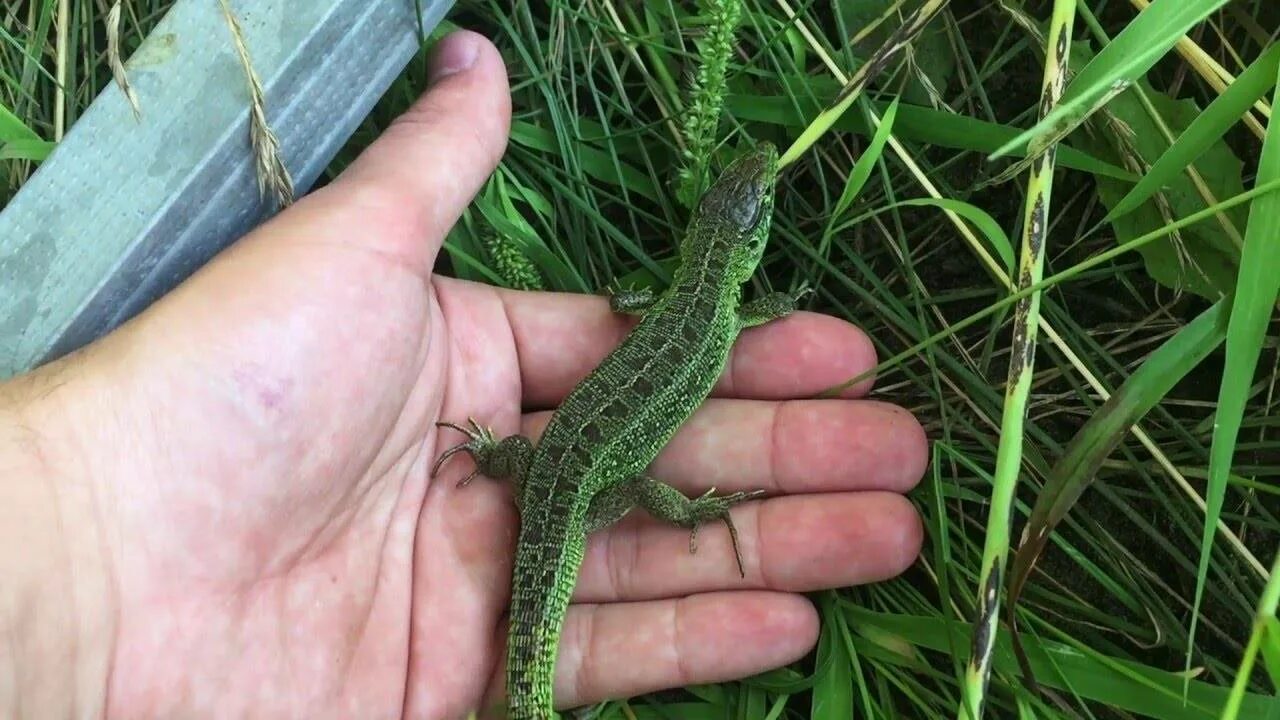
[(587, 470)]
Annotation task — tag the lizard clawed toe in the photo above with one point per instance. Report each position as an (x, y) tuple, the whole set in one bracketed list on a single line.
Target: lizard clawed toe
[(479, 439), (467, 480), (719, 508), (435, 467), (733, 538)]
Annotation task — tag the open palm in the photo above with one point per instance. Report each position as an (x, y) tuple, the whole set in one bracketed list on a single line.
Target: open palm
[(256, 449)]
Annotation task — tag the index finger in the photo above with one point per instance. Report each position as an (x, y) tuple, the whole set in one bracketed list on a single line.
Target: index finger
[(560, 337)]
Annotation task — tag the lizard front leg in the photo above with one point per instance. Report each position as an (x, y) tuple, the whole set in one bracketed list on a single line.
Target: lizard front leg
[(667, 503), (770, 307), (504, 459)]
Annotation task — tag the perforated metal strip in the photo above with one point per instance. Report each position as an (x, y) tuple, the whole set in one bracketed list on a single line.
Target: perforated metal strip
[(124, 210)]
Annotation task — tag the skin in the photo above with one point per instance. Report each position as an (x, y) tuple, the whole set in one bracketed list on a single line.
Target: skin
[(223, 508)]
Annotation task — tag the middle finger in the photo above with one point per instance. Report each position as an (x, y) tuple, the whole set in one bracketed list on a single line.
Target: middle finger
[(791, 446)]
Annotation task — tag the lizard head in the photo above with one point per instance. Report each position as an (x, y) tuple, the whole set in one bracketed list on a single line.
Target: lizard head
[(738, 208)]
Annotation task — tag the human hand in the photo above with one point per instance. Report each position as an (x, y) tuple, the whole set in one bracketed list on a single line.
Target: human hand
[(242, 521)]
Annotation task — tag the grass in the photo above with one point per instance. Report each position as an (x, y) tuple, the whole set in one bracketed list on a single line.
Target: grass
[(1147, 512)]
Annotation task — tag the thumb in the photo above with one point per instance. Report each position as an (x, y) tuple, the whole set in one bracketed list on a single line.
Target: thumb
[(422, 172)]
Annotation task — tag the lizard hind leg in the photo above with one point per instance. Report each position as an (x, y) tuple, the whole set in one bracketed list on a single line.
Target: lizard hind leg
[(710, 506), (666, 503), (503, 459)]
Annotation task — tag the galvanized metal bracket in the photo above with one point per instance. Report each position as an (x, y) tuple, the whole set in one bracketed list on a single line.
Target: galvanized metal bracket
[(123, 209)]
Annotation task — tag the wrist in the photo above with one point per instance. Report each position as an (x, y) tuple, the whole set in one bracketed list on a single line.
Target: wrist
[(56, 598)]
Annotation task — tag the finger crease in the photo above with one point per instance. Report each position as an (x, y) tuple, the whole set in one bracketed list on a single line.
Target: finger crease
[(582, 677), (775, 450), (612, 560), (730, 374), (682, 671), (636, 550), (516, 349), (756, 551)]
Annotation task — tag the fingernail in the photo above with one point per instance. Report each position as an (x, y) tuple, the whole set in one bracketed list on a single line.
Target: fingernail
[(455, 53)]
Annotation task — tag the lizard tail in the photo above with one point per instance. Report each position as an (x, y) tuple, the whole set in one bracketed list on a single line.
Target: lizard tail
[(547, 561)]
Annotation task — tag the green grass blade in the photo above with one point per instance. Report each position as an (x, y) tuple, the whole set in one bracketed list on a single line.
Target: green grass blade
[(1054, 136), (900, 40), (858, 177), (918, 124), (1270, 645), (1256, 291), (11, 128), (1096, 260), (833, 689), (1207, 129), (26, 149), (863, 168), (1113, 682), (995, 236), (594, 162), (1262, 638), (1126, 58), (1102, 432)]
